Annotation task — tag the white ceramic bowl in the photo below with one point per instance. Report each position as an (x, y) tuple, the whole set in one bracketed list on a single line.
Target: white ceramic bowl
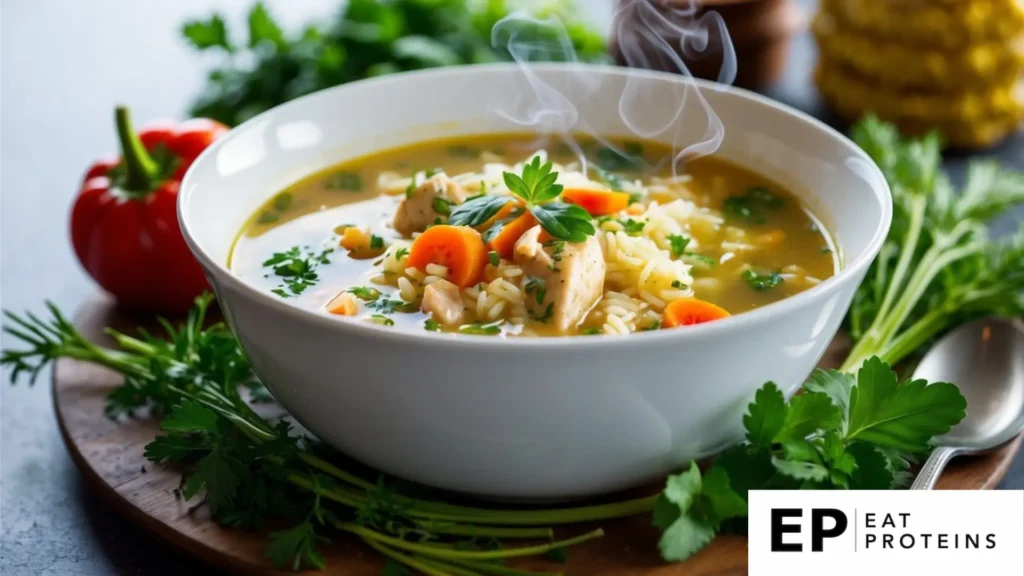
[(534, 418)]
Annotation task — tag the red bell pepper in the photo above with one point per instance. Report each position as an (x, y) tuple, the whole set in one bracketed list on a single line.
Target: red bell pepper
[(124, 224)]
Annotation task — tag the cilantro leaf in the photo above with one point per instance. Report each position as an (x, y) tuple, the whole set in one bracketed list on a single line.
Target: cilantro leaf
[(690, 510), (766, 416), (752, 206), (190, 416), (801, 470), (263, 28), (808, 413), (684, 538), (678, 244), (295, 548), (537, 187), (206, 34), (901, 416), (762, 282), (477, 211), (725, 502), (872, 472), (174, 448), (536, 184), (220, 473), (837, 385), (564, 221), (747, 469)]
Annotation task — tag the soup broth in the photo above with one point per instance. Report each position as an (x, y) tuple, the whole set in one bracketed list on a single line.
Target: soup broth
[(369, 237)]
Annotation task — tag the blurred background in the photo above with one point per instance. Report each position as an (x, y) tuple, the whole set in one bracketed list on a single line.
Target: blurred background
[(954, 65)]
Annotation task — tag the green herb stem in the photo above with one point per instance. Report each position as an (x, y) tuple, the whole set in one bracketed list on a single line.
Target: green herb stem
[(449, 568), (449, 554), (918, 203), (499, 570), (140, 168), (884, 329), (409, 561), (326, 467)]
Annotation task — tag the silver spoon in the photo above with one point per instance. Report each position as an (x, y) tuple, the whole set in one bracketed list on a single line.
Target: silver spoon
[(985, 358)]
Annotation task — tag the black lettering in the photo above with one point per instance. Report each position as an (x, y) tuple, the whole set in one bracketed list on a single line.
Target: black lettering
[(888, 522), (886, 541), (869, 520), (904, 515), (903, 541), (943, 541), (925, 537), (818, 531), (991, 539), (869, 539), (779, 528), (973, 541)]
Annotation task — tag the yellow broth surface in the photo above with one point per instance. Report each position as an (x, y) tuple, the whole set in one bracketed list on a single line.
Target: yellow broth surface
[(748, 242)]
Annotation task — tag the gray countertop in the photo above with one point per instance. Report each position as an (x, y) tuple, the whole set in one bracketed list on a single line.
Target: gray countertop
[(64, 65)]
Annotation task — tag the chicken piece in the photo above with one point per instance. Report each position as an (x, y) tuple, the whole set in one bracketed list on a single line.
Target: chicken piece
[(416, 212), (443, 301), (568, 277)]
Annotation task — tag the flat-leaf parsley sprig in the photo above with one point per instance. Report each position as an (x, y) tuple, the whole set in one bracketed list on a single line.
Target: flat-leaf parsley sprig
[(250, 470), (843, 432), (537, 188)]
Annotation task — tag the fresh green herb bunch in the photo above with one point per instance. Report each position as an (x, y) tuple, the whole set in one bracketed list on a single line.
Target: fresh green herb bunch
[(843, 432), (938, 267), (250, 470), (368, 38)]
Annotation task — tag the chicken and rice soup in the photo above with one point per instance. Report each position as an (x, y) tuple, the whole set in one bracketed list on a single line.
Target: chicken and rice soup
[(506, 235)]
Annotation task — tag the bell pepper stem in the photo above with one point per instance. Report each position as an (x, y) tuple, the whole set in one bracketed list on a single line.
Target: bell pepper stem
[(140, 168)]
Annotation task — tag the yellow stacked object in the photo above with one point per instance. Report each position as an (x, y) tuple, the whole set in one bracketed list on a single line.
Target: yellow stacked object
[(952, 65)]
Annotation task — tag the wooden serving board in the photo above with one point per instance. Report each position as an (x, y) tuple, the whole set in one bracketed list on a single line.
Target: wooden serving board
[(109, 454)]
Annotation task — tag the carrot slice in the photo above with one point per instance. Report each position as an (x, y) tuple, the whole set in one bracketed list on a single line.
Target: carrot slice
[(458, 248), (597, 202), (504, 242), (688, 311)]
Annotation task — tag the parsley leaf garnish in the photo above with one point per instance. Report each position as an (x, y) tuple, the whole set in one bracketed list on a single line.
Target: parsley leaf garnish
[(430, 325), (633, 227), (536, 286), (901, 416), (382, 320), (297, 269), (762, 282), (753, 205), (678, 244), (365, 293), (476, 211), (493, 258), (842, 432), (441, 206), (348, 181), (296, 547), (537, 187)]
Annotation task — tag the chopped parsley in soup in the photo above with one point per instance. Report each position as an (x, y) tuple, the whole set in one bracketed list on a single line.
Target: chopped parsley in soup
[(506, 235)]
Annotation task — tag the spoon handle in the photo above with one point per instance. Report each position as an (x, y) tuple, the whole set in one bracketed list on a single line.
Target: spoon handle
[(933, 467)]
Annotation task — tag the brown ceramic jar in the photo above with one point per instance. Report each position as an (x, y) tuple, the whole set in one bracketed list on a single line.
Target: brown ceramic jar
[(760, 32)]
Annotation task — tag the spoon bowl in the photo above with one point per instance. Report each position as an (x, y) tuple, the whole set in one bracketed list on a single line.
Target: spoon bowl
[(985, 358)]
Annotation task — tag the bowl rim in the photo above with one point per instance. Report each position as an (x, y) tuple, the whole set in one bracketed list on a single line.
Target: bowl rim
[(369, 330)]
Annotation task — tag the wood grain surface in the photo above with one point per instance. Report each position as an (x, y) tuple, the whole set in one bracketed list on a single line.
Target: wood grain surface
[(110, 456)]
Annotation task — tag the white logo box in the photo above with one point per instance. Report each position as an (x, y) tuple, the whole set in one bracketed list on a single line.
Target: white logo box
[(932, 533)]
